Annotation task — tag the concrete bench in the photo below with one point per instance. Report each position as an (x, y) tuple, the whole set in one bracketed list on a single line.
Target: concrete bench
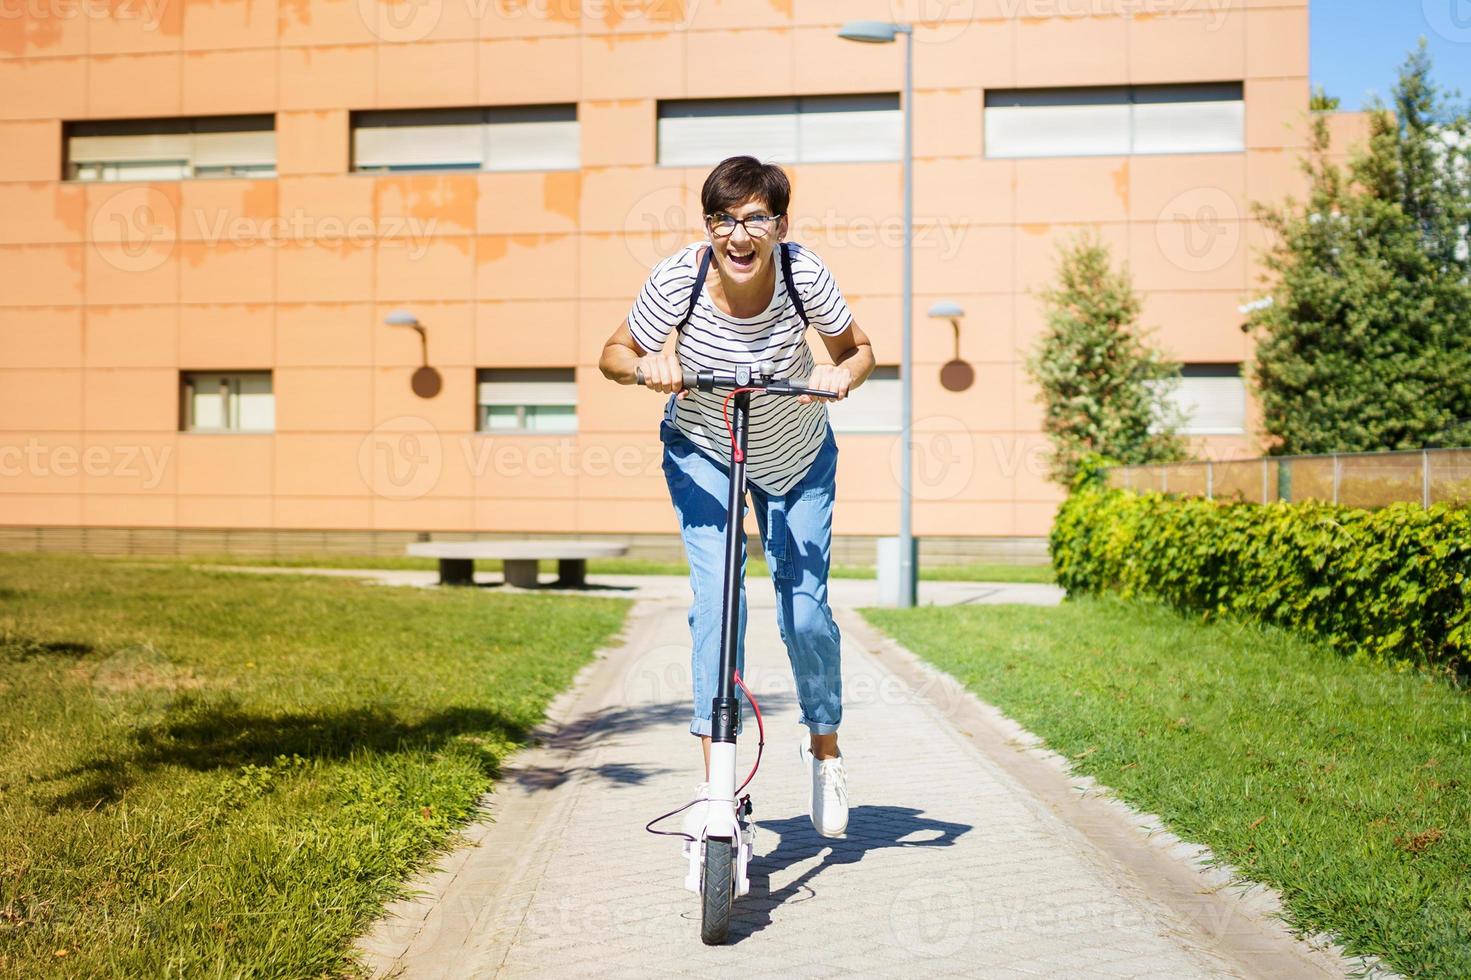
[(457, 559)]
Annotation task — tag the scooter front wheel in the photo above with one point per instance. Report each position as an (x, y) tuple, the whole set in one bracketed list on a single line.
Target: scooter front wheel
[(718, 890)]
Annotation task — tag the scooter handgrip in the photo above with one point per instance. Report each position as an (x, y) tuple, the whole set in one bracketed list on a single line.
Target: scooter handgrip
[(691, 378)]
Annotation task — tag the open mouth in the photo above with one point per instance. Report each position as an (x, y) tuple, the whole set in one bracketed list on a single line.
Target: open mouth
[(741, 261)]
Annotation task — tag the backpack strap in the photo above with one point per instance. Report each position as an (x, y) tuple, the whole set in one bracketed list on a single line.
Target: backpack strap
[(695, 292), (786, 274)]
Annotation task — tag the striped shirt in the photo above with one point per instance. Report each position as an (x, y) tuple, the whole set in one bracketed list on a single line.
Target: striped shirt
[(783, 436)]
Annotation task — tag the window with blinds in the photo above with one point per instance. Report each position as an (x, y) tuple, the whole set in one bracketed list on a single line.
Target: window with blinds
[(237, 401), (1116, 120), (803, 129), (171, 149), (539, 400), (503, 138), (1211, 399), (873, 406)]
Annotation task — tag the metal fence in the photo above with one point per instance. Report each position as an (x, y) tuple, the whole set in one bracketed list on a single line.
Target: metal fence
[(1423, 476)]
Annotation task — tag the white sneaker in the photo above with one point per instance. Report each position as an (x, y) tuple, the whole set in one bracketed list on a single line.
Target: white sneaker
[(827, 791), (697, 814)]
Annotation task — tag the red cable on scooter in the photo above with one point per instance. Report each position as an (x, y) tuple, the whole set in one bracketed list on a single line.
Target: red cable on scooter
[(760, 732), (735, 451), (760, 744)]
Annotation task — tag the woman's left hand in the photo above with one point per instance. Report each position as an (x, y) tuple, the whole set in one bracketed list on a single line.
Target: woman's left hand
[(828, 377)]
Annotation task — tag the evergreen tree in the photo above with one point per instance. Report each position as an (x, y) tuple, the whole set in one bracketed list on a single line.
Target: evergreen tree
[(1104, 390), (1366, 344)]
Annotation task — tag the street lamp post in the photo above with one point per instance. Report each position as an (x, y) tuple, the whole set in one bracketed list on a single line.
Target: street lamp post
[(884, 32)]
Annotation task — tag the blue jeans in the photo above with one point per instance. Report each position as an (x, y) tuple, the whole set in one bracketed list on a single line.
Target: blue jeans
[(796, 532)]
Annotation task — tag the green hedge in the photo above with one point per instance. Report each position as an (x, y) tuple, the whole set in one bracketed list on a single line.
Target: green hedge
[(1392, 584)]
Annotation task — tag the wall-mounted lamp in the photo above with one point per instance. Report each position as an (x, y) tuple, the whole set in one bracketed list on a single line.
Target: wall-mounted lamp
[(955, 375), (426, 381)]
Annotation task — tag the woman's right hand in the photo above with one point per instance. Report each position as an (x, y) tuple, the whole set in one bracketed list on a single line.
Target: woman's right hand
[(662, 373)]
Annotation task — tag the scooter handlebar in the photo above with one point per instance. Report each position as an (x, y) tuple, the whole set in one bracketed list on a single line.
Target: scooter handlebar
[(709, 381)]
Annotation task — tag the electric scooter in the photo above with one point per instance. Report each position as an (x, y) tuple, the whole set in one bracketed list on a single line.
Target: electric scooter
[(720, 858)]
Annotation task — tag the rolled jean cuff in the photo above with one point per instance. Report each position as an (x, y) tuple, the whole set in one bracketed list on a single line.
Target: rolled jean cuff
[(820, 727)]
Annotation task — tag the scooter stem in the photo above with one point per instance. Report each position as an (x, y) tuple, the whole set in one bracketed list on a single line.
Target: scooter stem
[(724, 709)]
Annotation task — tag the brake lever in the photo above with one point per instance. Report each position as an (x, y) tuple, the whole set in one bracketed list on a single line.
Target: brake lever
[(785, 387)]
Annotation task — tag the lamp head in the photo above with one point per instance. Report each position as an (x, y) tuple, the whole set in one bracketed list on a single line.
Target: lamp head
[(947, 310), (402, 318), (872, 31)]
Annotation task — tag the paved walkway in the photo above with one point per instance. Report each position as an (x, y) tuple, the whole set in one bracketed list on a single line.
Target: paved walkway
[(960, 861)]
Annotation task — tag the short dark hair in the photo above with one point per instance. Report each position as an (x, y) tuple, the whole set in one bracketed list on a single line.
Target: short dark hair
[(737, 179)]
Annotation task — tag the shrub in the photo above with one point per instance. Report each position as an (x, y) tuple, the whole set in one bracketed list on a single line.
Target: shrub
[(1103, 387), (1391, 585)]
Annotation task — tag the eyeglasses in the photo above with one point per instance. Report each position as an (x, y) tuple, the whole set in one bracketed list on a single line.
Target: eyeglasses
[(723, 225)]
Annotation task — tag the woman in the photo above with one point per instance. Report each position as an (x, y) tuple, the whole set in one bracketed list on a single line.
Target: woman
[(745, 315)]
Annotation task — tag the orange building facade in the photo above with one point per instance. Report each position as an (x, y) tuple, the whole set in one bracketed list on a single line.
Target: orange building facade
[(133, 306)]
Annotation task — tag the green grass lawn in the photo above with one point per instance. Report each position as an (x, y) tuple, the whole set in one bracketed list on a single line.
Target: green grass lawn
[(227, 775), (979, 572), (1346, 786)]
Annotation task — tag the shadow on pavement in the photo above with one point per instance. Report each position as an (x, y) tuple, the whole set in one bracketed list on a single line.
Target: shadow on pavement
[(870, 828), (600, 729)]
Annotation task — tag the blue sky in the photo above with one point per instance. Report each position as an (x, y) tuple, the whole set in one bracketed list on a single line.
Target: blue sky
[(1358, 45)]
